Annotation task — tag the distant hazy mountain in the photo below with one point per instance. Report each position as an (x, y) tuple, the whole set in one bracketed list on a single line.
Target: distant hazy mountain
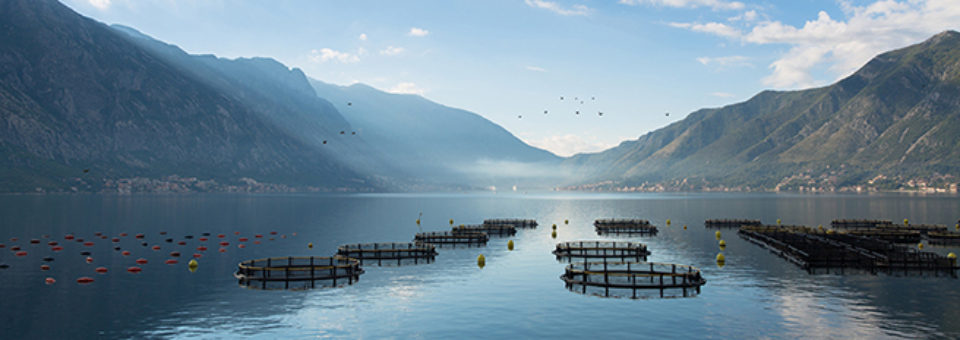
[(896, 118), (76, 95), (440, 142)]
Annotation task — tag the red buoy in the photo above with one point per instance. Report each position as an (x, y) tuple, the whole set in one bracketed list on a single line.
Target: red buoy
[(273, 233), (57, 248), (223, 250), (224, 243), (68, 237), (139, 236), (89, 259), (2, 245), (197, 256), (258, 236), (125, 253), (49, 281), (182, 243), (21, 253), (14, 248), (101, 270), (243, 239), (13, 239), (236, 233), (203, 239), (294, 233), (256, 242), (103, 237), (98, 233), (141, 261), (79, 240), (34, 241), (88, 244), (163, 233), (241, 246), (123, 234), (44, 267), (170, 261), (156, 248), (115, 239), (52, 243), (221, 235), (283, 236), (134, 269), (85, 280), (175, 254), (202, 248)]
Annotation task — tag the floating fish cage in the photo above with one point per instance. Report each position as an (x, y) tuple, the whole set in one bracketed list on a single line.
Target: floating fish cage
[(624, 226), (812, 249), (447, 238), (859, 224), (389, 253), (730, 223), (888, 234), (298, 272), (515, 222), (943, 237), (921, 228), (619, 251), (633, 279), (489, 229)]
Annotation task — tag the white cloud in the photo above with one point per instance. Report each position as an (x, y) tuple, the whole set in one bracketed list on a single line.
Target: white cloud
[(570, 144), (406, 88), (722, 94), (535, 69), (391, 50), (326, 54), (363, 37), (557, 8), (100, 4), (418, 32), (715, 28), (843, 46), (747, 16), (726, 61), (713, 4)]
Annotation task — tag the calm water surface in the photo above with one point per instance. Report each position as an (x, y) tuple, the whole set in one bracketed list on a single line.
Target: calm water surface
[(517, 294)]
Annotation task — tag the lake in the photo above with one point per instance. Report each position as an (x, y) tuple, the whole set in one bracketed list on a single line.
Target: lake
[(518, 293)]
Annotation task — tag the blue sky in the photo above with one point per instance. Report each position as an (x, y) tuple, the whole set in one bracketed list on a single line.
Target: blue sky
[(502, 59)]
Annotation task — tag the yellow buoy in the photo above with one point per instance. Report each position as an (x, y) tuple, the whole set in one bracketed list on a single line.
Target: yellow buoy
[(553, 234), (451, 221), (957, 227), (510, 245), (952, 257), (820, 227), (566, 221), (310, 245), (668, 221), (418, 221), (778, 221), (717, 234), (721, 258), (192, 265), (920, 245), (481, 261), (684, 227), (722, 243), (906, 222), (554, 226)]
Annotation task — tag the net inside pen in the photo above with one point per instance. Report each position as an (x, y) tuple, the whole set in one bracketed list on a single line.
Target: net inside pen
[(489, 229), (389, 253), (446, 238), (622, 251), (298, 272), (633, 279)]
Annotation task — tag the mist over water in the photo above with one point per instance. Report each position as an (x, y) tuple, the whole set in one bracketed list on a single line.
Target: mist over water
[(518, 292)]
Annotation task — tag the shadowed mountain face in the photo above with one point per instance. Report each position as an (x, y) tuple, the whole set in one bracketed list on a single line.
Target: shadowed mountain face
[(440, 142), (897, 117), (77, 95)]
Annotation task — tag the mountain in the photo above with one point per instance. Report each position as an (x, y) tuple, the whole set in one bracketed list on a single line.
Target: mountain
[(893, 121), (439, 142), (83, 108)]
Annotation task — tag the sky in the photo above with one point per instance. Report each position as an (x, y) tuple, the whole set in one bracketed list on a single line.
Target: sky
[(643, 63)]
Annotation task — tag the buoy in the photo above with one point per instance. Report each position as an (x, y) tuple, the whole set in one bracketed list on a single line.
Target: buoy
[(134, 269), (115, 239), (4, 266), (170, 261), (201, 248), (717, 234), (203, 239), (243, 239), (957, 227), (155, 248), (57, 248), (668, 221), (101, 270), (566, 221), (236, 233), (451, 221), (906, 222), (84, 253), (221, 235), (2, 245), (553, 234), (197, 256), (222, 250), (241, 246), (721, 258), (139, 236), (15, 248), (554, 226), (256, 242), (141, 261), (310, 245), (98, 233), (830, 232), (820, 227), (89, 259), (193, 264), (85, 280), (144, 244), (34, 241), (510, 245), (116, 248), (21, 253), (13, 239), (163, 233), (175, 254), (481, 261), (66, 237), (182, 243), (684, 227), (258, 236), (778, 221), (952, 257), (920, 245), (224, 244), (169, 240), (48, 259), (722, 243), (49, 281), (123, 234), (418, 221), (44, 267), (273, 233), (189, 237), (79, 240), (125, 253)]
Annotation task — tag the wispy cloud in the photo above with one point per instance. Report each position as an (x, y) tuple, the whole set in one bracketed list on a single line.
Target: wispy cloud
[(392, 50), (325, 54), (747, 16), (725, 61), (406, 88), (535, 69), (713, 4), (418, 32), (570, 144), (557, 8), (363, 37), (100, 4), (715, 28)]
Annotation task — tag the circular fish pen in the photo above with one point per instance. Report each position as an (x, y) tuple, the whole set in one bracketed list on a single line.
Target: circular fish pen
[(635, 280), (451, 239), (389, 253), (298, 272), (489, 229), (619, 251), (516, 222)]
